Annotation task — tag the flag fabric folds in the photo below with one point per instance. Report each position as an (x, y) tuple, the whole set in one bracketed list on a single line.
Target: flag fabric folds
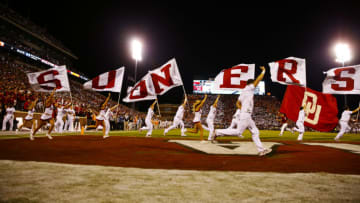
[(142, 90), (234, 78), (291, 70), (47, 80), (110, 81), (343, 80), (322, 108), (166, 77)]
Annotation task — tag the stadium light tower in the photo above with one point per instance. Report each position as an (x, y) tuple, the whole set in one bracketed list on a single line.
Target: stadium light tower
[(136, 50), (342, 53)]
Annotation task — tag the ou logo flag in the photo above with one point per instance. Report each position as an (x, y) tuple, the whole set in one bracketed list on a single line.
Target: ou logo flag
[(344, 80), (322, 108)]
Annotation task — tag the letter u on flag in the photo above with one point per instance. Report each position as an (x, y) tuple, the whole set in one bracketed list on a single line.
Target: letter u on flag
[(143, 90), (344, 80), (110, 81), (47, 80), (166, 77), (234, 78), (322, 108), (291, 70)]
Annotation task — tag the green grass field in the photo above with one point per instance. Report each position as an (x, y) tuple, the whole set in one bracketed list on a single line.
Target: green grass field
[(265, 135)]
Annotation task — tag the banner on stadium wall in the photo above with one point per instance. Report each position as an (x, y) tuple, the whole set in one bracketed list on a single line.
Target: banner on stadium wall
[(166, 77), (143, 90), (47, 80), (234, 78), (322, 108), (343, 80), (287, 71), (109, 81)]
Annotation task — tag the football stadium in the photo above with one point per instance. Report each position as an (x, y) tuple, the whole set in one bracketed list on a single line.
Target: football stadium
[(168, 117)]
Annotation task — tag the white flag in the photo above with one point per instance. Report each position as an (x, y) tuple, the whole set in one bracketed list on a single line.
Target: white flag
[(166, 77), (47, 80), (234, 78), (110, 81), (142, 90), (291, 70), (343, 80)]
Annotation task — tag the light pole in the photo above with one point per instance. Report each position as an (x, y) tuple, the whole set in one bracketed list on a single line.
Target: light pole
[(343, 54), (136, 50)]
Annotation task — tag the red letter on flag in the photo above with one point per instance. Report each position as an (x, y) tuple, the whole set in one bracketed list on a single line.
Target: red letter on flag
[(289, 73), (41, 80), (228, 75), (110, 83), (167, 81), (349, 81)]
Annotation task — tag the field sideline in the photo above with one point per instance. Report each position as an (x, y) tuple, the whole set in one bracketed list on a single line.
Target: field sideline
[(30, 181), (265, 135)]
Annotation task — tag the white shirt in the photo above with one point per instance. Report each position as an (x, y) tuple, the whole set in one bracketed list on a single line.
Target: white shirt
[(345, 116), (101, 115), (301, 116), (212, 113), (197, 116), (180, 113), (237, 114), (60, 112), (150, 114), (30, 114), (10, 111), (48, 113), (108, 114), (247, 99), (71, 113)]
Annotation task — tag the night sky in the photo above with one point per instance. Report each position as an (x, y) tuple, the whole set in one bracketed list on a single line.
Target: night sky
[(203, 37)]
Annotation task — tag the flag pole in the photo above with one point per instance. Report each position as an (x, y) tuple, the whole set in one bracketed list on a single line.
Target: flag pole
[(157, 101)]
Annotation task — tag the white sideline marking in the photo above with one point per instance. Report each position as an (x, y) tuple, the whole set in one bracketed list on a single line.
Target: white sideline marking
[(237, 148), (349, 147)]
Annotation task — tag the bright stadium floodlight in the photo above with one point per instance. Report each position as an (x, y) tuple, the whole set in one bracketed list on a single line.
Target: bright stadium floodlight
[(342, 52), (136, 49)]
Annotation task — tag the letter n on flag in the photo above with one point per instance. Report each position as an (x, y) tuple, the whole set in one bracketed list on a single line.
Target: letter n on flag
[(110, 81), (143, 90), (291, 70), (166, 77), (322, 108), (234, 78)]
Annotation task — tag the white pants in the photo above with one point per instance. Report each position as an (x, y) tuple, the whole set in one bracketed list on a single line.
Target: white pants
[(69, 125), (107, 126), (233, 124), (245, 122), (210, 127), (148, 127), (344, 128), (10, 119), (301, 129), (175, 124), (283, 127), (59, 125)]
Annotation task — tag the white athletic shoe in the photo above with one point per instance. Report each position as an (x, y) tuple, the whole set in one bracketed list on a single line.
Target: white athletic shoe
[(49, 136), (31, 136), (183, 135), (203, 141), (106, 136), (147, 135), (265, 152), (164, 133)]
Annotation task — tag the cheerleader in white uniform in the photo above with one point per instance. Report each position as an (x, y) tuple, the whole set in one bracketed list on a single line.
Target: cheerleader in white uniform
[(70, 116), (47, 116), (9, 117), (148, 123), (108, 114), (210, 119), (28, 120), (101, 116), (59, 124), (197, 118), (178, 119)]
